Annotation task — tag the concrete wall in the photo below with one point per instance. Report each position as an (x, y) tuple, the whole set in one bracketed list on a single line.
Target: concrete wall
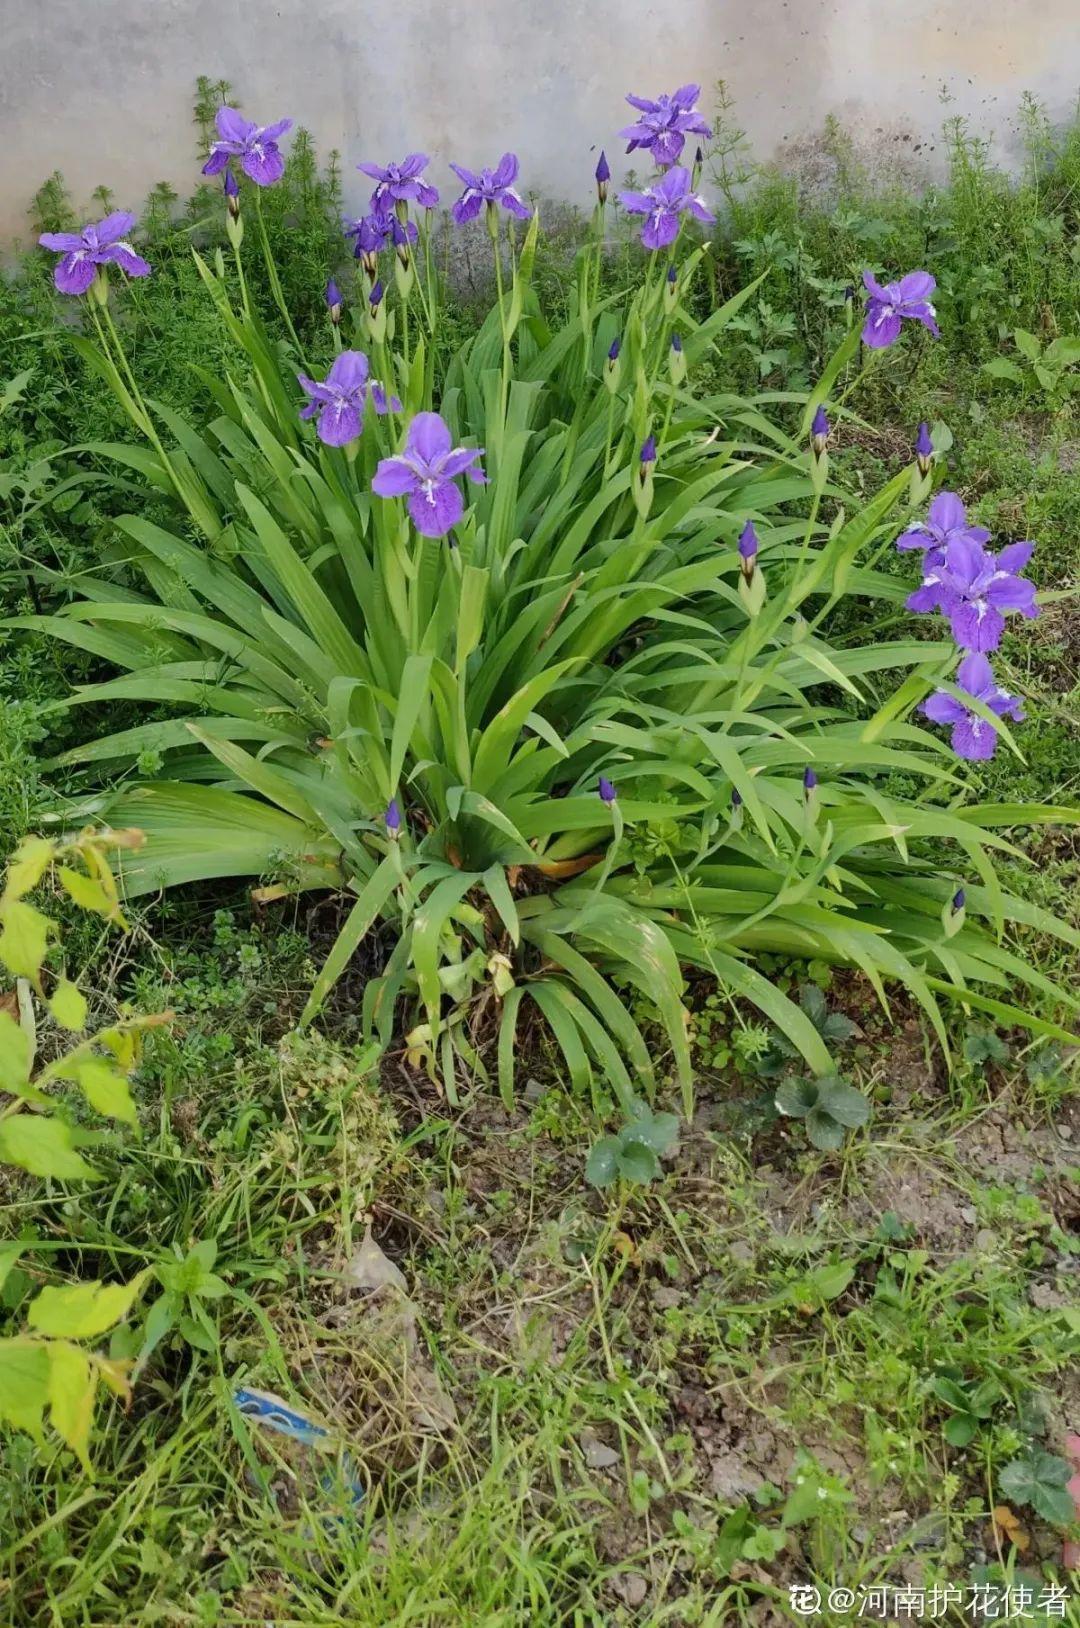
[(101, 89)]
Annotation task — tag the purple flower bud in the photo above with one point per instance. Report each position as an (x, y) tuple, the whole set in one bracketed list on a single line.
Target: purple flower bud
[(849, 294), (232, 193), (375, 297), (924, 448), (393, 817), (672, 276), (736, 797), (605, 790), (613, 350), (819, 431), (648, 450), (958, 899), (333, 301), (809, 780), (603, 176), (748, 544), (676, 343)]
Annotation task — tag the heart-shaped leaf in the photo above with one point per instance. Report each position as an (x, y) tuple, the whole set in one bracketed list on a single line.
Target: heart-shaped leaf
[(602, 1165), (796, 1097), (842, 1102), (638, 1162)]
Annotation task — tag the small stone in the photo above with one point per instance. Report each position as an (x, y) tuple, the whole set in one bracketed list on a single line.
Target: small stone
[(597, 1454), (631, 1587), (986, 1238), (969, 1215)]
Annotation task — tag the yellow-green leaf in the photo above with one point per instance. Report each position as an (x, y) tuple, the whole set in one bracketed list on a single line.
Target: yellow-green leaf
[(114, 1371), (87, 893), (44, 1147), (24, 1383), (80, 1311), (68, 1005), (72, 1387), (106, 1089), (9, 1255), (28, 866), (24, 938), (14, 1055)]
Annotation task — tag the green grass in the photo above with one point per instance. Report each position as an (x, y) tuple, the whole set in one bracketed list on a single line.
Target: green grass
[(764, 1313)]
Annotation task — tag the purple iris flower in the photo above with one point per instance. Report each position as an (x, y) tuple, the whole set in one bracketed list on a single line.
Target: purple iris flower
[(946, 521), (748, 545), (339, 400), (924, 447), (662, 204), (665, 123), (490, 187), (393, 817), (381, 402), (605, 790), (254, 145), (425, 473), (889, 307), (401, 182), (648, 450), (375, 297), (972, 736), (975, 589), (374, 232), (103, 244), (819, 430)]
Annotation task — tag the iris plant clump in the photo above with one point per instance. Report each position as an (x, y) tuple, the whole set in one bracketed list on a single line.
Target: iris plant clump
[(536, 660)]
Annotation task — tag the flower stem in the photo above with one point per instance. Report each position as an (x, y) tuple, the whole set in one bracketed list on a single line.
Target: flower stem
[(275, 281), (493, 229)]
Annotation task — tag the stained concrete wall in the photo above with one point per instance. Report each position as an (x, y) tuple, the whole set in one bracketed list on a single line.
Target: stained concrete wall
[(101, 89)]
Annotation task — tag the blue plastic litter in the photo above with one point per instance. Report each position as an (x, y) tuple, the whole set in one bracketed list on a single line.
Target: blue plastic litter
[(273, 1413)]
